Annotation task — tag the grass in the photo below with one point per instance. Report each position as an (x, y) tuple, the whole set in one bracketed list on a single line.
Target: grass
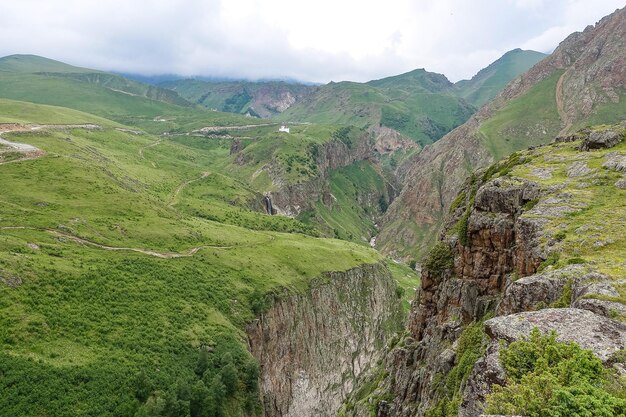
[(359, 196), (414, 104), (408, 281), (531, 119), (492, 79), (583, 234), (83, 328)]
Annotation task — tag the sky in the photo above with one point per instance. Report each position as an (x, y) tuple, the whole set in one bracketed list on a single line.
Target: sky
[(315, 41)]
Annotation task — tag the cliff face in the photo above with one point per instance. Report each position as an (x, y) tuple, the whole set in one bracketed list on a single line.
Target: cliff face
[(461, 283), (591, 64), (291, 199), (526, 245), (313, 347)]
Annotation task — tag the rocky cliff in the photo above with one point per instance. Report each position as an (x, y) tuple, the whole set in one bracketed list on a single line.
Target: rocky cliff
[(313, 347), (290, 199), (577, 82), (527, 245)]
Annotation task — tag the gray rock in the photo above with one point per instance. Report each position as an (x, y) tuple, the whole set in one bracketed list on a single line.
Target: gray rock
[(578, 169), (591, 331), (505, 195), (615, 161), (601, 307), (595, 284), (542, 173), (544, 288), (621, 184), (12, 281), (551, 211), (600, 140), (486, 372)]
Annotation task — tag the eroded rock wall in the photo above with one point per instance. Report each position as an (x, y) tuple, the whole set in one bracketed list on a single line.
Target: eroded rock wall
[(312, 347)]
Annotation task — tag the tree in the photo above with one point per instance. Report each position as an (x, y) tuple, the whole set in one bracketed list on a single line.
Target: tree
[(230, 378)]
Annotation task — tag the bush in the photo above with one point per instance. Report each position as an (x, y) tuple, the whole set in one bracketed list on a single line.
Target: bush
[(439, 259), (546, 378)]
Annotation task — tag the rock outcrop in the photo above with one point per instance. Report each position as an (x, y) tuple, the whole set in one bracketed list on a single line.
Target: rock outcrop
[(592, 64), (313, 347), (519, 252), (292, 198)]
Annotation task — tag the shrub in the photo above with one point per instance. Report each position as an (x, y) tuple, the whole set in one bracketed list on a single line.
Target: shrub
[(439, 259), (551, 260), (547, 378)]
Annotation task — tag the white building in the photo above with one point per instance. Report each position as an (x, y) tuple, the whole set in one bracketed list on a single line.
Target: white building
[(283, 128)]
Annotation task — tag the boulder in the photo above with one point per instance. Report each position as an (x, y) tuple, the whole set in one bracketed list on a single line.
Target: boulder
[(531, 292), (615, 162), (599, 334), (505, 195), (578, 169), (602, 139)]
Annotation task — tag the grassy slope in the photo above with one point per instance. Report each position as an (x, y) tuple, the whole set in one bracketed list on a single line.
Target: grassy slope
[(491, 80), (86, 322), (233, 96), (44, 81), (584, 235), (32, 64), (417, 104), (530, 119)]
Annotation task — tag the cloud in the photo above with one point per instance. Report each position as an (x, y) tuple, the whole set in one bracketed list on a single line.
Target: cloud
[(313, 41)]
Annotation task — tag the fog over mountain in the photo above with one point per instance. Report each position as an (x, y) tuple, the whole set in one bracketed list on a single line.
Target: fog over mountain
[(309, 41)]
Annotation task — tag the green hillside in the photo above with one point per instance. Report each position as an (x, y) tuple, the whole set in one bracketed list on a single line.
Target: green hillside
[(421, 105), (527, 120), (260, 99), (120, 291), (43, 81), (32, 64), (489, 81)]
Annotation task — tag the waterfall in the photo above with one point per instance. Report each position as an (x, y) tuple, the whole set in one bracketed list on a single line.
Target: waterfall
[(268, 205)]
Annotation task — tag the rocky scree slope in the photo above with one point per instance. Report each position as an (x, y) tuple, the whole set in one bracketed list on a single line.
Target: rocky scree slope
[(582, 80), (535, 241)]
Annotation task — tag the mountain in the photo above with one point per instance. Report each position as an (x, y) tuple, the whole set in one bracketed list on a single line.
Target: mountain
[(36, 65), (582, 82), (528, 271), (260, 99), (133, 267), (420, 105), (489, 81), (45, 81)]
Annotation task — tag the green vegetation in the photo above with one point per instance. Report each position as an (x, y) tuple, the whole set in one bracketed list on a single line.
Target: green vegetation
[(530, 119), (581, 233), (358, 191), (408, 282), (471, 348), (439, 259), (130, 264), (421, 105), (547, 378), (609, 111), (491, 80), (257, 98), (42, 81)]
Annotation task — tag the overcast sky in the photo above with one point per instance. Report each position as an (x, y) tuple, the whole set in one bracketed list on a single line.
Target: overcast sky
[(313, 40)]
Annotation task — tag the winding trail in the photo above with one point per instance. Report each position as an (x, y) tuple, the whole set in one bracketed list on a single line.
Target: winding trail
[(183, 185), (560, 107), (155, 143), (29, 151), (162, 255), (207, 129)]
